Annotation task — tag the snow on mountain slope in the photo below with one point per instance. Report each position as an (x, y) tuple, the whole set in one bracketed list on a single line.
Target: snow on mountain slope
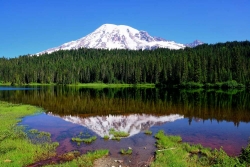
[(133, 124), (110, 36), (194, 44)]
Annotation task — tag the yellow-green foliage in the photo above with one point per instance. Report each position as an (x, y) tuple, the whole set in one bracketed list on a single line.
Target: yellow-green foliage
[(85, 160), (15, 147)]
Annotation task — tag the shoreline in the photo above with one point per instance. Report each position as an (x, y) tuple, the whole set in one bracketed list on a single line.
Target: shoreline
[(179, 153)]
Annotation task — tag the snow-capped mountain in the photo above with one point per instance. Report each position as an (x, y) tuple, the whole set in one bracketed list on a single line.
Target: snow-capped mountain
[(194, 44), (110, 36), (133, 124)]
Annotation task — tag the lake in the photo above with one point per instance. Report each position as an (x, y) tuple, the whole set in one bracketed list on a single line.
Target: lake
[(213, 118)]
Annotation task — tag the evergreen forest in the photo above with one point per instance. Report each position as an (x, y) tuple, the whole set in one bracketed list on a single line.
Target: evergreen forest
[(212, 64)]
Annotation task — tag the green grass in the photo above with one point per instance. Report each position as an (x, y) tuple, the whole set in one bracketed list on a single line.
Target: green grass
[(128, 151), (16, 149), (85, 160), (148, 132), (39, 84), (118, 133), (118, 85), (85, 140), (106, 137), (29, 84), (171, 152), (91, 85), (5, 83), (116, 138)]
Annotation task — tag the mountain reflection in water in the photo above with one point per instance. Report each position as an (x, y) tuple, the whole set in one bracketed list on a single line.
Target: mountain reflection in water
[(133, 124), (213, 118)]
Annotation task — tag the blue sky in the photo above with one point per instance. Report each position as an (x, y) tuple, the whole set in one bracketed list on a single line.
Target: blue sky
[(31, 26)]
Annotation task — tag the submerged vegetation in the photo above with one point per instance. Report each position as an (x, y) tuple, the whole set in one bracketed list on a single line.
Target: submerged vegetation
[(172, 152), (128, 151), (106, 137), (148, 132), (86, 138), (118, 134), (16, 148)]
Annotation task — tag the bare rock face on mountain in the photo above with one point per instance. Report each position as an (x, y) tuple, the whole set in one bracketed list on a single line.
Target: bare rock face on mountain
[(110, 36)]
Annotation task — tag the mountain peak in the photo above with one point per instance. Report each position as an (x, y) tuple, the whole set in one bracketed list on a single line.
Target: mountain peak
[(111, 36), (194, 44), (133, 124)]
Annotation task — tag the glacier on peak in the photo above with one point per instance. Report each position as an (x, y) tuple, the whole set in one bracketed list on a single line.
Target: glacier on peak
[(111, 36)]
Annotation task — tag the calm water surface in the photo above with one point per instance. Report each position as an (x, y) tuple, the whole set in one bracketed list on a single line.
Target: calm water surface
[(212, 118)]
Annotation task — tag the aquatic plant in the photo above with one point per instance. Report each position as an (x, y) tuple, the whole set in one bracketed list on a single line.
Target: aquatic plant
[(118, 133), (126, 151), (148, 132), (85, 140), (105, 137), (116, 138), (90, 140)]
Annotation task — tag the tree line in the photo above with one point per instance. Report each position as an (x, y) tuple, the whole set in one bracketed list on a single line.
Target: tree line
[(213, 105), (212, 63)]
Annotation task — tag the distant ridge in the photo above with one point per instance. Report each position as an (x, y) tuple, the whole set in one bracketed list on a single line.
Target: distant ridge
[(194, 44)]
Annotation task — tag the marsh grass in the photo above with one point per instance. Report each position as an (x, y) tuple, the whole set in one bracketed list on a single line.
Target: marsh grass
[(118, 133), (86, 138), (106, 137), (38, 137), (116, 138), (128, 151), (86, 160), (16, 149), (148, 132), (172, 152)]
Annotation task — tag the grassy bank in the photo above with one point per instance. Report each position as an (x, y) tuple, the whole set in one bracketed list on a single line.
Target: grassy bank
[(172, 152), (87, 85), (30, 84), (16, 149), (103, 85)]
